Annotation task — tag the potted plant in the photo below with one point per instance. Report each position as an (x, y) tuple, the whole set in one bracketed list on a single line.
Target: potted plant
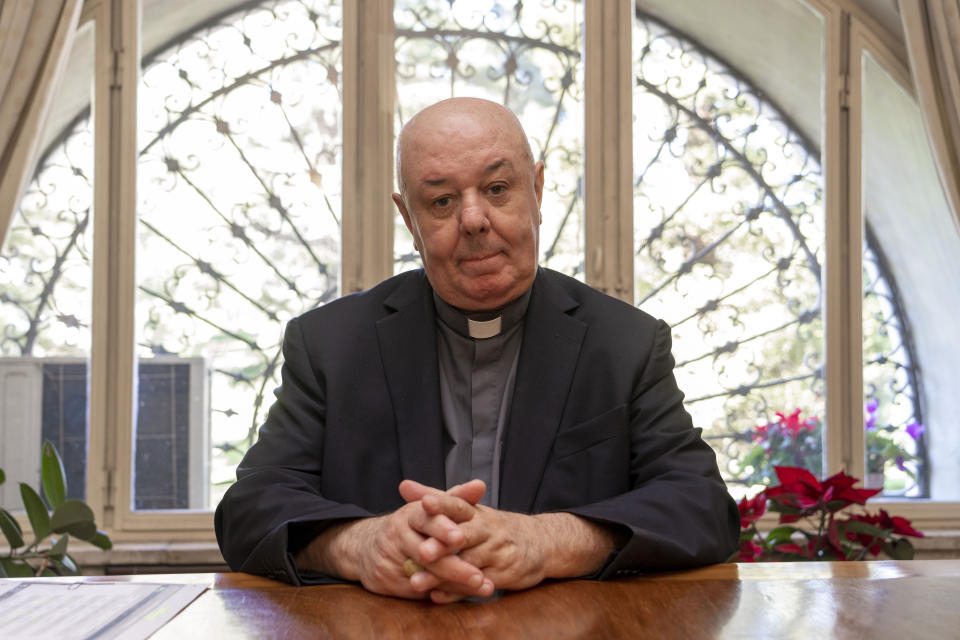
[(790, 440), (794, 440), (52, 516), (815, 523)]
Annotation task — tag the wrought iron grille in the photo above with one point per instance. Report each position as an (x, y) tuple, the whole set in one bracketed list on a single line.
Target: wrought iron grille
[(729, 234), (45, 269), (239, 209)]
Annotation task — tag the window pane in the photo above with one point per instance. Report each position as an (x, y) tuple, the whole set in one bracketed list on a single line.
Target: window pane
[(729, 228), (45, 296), (910, 248), (524, 55), (239, 230)]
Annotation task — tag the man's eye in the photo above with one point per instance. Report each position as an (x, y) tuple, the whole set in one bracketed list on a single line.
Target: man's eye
[(442, 202), (497, 189)]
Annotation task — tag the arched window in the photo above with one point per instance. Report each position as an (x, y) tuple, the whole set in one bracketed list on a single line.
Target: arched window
[(240, 216)]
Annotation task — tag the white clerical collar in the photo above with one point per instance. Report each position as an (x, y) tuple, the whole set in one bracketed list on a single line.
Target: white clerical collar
[(482, 329), (482, 325)]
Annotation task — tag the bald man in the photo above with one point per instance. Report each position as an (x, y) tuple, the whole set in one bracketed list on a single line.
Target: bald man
[(480, 424)]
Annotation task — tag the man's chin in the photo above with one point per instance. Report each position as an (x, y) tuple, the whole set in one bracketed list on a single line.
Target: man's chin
[(489, 293)]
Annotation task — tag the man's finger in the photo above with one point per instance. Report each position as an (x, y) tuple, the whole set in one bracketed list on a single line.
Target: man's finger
[(445, 597), (471, 491), (448, 569), (411, 490), (439, 528), (452, 574), (456, 509), (446, 594)]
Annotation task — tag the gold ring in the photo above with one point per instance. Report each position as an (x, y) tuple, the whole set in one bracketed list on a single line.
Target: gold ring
[(411, 566)]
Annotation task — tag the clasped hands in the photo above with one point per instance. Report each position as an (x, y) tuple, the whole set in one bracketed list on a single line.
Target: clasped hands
[(464, 548), (467, 549)]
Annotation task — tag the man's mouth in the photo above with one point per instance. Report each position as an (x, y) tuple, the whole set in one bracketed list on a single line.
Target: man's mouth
[(481, 262), (482, 256)]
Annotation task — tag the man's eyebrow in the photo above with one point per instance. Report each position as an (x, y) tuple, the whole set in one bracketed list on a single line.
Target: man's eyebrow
[(490, 168), (502, 162)]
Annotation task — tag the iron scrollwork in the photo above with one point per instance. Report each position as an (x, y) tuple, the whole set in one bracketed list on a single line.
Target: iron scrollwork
[(239, 208)]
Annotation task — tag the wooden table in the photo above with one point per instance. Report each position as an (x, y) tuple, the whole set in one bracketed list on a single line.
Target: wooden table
[(919, 599)]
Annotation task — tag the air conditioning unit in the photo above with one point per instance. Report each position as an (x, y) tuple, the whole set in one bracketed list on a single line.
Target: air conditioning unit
[(46, 399)]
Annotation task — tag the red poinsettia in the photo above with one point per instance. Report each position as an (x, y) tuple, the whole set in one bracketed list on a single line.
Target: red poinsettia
[(794, 424), (749, 551), (790, 425), (807, 550), (752, 508), (884, 521), (800, 496)]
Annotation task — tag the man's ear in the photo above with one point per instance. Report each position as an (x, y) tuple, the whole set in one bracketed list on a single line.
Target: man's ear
[(538, 185), (407, 220)]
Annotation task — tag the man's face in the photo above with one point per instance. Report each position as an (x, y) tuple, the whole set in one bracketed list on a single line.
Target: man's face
[(472, 202)]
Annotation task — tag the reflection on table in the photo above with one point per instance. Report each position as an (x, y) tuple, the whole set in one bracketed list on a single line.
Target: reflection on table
[(919, 599)]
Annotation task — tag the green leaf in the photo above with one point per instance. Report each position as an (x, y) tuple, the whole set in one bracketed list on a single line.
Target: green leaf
[(858, 526), (74, 517), (59, 549), (54, 480), (774, 504), (3, 476), (36, 511), (835, 505), (16, 568), (101, 540), (751, 459), (49, 573), (780, 535), (899, 549), (11, 530), (68, 564)]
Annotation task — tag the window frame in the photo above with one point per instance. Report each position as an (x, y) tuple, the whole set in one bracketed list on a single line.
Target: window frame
[(368, 219)]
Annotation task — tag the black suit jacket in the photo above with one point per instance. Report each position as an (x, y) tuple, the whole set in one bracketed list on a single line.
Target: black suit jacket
[(597, 428)]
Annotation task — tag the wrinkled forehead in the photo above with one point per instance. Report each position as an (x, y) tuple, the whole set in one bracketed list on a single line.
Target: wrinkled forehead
[(460, 126)]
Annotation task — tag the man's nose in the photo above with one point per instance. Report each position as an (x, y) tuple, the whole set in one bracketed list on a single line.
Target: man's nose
[(474, 219)]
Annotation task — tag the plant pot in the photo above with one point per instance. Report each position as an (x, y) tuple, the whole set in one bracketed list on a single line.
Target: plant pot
[(874, 480)]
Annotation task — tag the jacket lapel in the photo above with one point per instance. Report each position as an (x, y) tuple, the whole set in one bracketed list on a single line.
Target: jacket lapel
[(408, 348), (548, 358)]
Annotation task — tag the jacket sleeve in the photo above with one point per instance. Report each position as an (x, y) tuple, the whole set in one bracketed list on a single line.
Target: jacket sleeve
[(678, 511), (276, 499)]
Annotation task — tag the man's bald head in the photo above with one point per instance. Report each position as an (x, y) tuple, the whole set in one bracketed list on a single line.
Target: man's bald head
[(457, 113), (470, 195)]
